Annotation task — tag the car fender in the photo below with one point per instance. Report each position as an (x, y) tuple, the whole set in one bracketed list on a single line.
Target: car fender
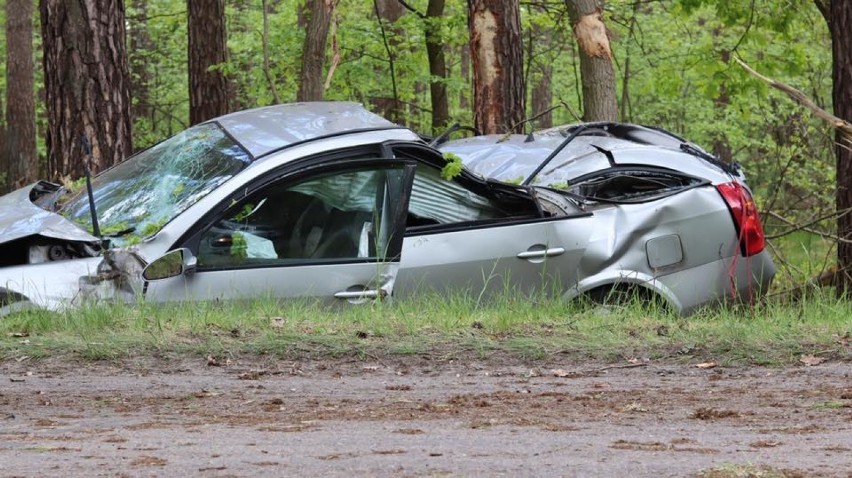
[(116, 275), (608, 278)]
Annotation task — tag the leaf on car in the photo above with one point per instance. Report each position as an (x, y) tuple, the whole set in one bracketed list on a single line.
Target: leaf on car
[(706, 365), (810, 360), (453, 167)]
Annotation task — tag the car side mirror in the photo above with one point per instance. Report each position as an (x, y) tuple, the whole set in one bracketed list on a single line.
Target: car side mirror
[(171, 264)]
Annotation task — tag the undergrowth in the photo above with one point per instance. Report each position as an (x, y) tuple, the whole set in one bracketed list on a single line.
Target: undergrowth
[(438, 327)]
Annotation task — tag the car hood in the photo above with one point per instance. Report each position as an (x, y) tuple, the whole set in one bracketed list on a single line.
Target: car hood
[(21, 217)]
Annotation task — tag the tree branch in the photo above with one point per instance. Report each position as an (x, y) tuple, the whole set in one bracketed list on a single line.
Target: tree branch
[(843, 126), (807, 227), (410, 8)]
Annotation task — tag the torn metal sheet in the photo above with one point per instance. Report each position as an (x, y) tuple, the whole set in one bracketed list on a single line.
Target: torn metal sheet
[(20, 218)]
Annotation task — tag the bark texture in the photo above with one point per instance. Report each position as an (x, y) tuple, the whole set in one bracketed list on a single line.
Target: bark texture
[(209, 94), (87, 84), (497, 58), (596, 69), (542, 90), (840, 24), (20, 144), (313, 51), (437, 66)]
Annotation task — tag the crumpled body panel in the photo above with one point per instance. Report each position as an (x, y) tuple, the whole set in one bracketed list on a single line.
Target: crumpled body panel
[(20, 218)]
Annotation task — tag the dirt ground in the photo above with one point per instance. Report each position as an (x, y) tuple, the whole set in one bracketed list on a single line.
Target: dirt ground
[(417, 417)]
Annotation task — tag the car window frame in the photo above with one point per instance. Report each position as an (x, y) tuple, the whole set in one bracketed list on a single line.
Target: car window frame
[(299, 171), (495, 191)]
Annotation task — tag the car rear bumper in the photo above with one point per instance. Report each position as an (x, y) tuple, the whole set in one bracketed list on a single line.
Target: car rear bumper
[(737, 279)]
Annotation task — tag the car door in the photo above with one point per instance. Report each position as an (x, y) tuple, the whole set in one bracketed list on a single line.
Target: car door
[(331, 232), (468, 236)]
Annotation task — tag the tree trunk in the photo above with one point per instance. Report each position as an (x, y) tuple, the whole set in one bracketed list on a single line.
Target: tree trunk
[(840, 24), (596, 70), (86, 83), (542, 97), (141, 46), (208, 89), (388, 12), (20, 152), (542, 90), (313, 52), (241, 93), (497, 54), (437, 66), (464, 70)]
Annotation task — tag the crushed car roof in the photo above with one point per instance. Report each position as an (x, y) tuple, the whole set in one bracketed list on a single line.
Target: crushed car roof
[(516, 157), (264, 130)]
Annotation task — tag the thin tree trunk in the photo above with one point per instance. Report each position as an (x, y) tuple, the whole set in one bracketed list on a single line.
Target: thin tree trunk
[(840, 24), (542, 98), (464, 70), (87, 84), (596, 69), (240, 93), (313, 51), (141, 46), (209, 94), (542, 90), (387, 13), (20, 152), (437, 66), (497, 54)]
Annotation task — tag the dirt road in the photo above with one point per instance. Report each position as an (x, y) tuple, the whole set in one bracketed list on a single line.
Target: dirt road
[(415, 417)]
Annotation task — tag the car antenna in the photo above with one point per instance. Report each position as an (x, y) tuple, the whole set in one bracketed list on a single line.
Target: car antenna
[(87, 152)]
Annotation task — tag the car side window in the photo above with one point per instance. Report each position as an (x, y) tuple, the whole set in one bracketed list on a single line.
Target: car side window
[(329, 217), (438, 201), (435, 200)]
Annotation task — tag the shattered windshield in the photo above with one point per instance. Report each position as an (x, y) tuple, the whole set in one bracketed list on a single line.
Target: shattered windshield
[(136, 198)]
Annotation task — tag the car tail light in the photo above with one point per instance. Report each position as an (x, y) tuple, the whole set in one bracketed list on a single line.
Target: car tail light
[(746, 218)]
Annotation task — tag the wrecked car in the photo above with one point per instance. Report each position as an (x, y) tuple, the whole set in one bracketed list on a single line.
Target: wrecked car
[(327, 200)]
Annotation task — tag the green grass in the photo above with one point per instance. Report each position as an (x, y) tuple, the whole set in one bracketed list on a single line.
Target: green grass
[(437, 327), (801, 256)]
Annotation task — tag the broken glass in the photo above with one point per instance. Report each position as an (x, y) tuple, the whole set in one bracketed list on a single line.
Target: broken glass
[(136, 198)]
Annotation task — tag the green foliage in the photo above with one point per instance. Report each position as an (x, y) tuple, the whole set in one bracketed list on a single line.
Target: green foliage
[(239, 245), (244, 213), (453, 167)]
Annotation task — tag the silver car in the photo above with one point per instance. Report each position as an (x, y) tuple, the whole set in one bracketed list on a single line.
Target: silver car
[(327, 200)]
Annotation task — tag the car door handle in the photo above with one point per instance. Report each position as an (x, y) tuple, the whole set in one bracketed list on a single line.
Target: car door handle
[(360, 294), (550, 252)]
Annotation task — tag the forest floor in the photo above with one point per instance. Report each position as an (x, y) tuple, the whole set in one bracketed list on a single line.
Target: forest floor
[(412, 416)]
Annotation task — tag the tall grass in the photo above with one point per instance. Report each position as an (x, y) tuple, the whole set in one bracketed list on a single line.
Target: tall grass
[(457, 326)]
